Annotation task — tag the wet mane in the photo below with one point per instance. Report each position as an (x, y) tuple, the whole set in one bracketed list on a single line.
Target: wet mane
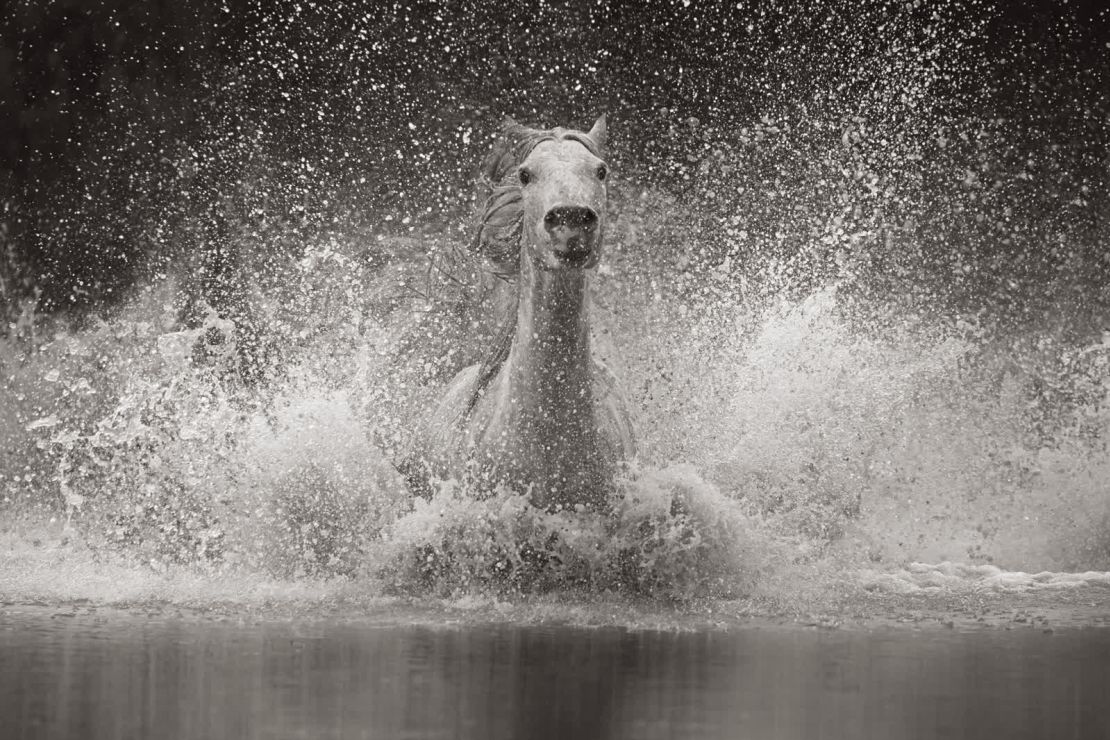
[(501, 222)]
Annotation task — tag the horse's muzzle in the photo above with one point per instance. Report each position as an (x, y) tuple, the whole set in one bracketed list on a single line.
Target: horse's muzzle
[(573, 231)]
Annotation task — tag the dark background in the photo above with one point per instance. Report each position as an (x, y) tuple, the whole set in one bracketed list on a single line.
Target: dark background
[(135, 136)]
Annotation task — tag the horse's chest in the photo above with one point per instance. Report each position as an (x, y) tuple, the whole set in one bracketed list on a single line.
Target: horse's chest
[(539, 426), (551, 440)]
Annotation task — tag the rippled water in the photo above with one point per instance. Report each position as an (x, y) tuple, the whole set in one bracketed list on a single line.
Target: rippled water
[(117, 675)]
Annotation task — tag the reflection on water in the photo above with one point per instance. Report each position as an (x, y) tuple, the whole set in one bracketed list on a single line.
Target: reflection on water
[(124, 676)]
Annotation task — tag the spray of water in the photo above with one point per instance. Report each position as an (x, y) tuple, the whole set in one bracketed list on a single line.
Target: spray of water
[(858, 304)]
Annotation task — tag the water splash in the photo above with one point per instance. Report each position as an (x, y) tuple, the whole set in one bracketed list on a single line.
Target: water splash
[(856, 293), (807, 450)]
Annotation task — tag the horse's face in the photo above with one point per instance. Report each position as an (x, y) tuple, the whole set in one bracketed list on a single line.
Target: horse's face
[(563, 199)]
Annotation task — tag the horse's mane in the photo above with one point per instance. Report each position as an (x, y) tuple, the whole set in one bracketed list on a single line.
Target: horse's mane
[(501, 225)]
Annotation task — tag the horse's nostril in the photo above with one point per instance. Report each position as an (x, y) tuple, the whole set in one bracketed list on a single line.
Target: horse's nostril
[(575, 217)]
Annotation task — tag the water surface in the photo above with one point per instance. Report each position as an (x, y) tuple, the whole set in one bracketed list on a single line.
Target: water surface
[(120, 675)]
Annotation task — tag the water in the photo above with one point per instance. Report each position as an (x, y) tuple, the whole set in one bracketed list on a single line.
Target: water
[(854, 285), (109, 674)]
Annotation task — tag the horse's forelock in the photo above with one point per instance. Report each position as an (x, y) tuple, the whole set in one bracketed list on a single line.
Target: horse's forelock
[(584, 139)]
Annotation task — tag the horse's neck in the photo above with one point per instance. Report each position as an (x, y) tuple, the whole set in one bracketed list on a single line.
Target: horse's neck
[(549, 363)]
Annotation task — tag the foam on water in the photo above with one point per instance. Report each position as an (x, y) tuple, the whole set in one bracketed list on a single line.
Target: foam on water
[(923, 577)]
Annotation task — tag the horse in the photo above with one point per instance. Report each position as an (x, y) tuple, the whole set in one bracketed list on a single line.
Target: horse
[(540, 414)]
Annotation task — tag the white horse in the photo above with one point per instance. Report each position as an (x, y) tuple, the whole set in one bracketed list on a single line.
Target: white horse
[(541, 414)]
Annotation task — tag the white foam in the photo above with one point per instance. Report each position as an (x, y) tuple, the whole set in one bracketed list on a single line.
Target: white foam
[(925, 577)]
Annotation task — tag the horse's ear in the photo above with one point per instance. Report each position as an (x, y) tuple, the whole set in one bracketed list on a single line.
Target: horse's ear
[(598, 132)]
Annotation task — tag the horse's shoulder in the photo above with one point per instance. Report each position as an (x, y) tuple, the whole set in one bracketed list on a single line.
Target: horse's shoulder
[(614, 414), (459, 391), (601, 370), (429, 450), (604, 379)]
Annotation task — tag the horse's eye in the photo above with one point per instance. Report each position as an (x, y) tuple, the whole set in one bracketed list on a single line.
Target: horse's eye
[(602, 172), (525, 176)]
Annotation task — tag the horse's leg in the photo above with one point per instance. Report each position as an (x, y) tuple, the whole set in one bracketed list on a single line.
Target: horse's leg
[(430, 453)]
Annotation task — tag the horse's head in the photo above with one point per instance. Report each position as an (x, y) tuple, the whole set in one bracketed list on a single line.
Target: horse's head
[(562, 183), (551, 197)]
